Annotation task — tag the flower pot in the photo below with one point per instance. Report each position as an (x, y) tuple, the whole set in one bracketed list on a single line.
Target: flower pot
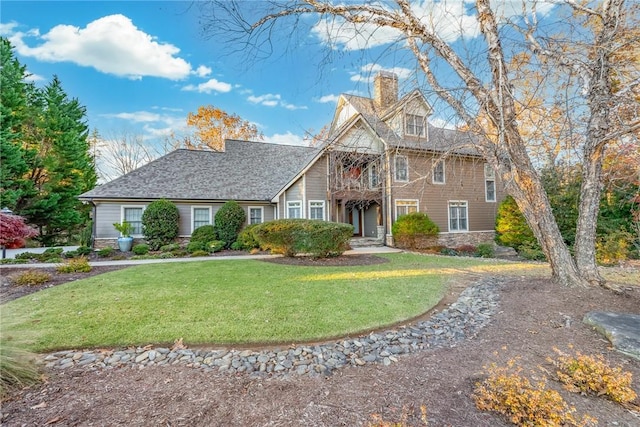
[(125, 243)]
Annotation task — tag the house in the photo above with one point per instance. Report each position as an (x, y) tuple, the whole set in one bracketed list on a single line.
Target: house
[(381, 159)]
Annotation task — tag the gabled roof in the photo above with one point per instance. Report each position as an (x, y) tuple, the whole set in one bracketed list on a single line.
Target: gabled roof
[(251, 171), (438, 139)]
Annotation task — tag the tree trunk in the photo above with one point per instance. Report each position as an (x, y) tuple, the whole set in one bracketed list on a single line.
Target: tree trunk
[(529, 194), (585, 250)]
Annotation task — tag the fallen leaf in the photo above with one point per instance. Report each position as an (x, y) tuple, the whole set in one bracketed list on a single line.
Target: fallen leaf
[(40, 405)]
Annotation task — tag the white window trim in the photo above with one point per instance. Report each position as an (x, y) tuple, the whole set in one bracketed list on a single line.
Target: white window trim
[(444, 172), (489, 175), (289, 203), (424, 125), (395, 168), (193, 216), (395, 205), (261, 214), (466, 203), (123, 207), (324, 208)]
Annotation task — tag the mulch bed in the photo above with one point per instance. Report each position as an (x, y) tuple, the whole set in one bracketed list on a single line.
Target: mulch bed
[(534, 316)]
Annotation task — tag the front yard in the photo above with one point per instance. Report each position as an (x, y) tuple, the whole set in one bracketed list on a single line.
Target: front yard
[(230, 302)]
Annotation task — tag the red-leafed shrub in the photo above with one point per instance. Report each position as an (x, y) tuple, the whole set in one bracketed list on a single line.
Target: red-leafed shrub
[(13, 230)]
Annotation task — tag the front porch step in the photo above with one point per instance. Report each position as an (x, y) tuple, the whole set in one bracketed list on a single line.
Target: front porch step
[(364, 242)]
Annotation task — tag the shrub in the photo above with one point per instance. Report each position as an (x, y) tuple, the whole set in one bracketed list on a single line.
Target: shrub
[(14, 230), (199, 253), (215, 246), (531, 252), (592, 374), (166, 255), (105, 252), (86, 235), (31, 278), (205, 233), (169, 248), (613, 247), (84, 250), (18, 368), (75, 265), (485, 250), (293, 236), (408, 229), (28, 256), (511, 226), (507, 392), (448, 252), (178, 253), (228, 222), (70, 254), (466, 250), (141, 249), (160, 223), (246, 239), (196, 246)]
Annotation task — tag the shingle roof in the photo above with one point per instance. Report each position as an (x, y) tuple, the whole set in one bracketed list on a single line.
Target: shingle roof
[(439, 139), (244, 171)]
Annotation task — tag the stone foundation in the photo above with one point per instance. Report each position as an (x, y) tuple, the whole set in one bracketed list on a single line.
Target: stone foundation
[(448, 240)]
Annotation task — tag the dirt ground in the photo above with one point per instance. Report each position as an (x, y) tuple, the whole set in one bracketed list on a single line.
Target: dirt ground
[(534, 316)]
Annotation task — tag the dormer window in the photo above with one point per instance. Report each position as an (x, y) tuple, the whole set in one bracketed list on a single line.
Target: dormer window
[(415, 125)]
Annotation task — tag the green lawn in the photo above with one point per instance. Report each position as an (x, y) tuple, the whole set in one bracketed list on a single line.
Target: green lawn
[(231, 302)]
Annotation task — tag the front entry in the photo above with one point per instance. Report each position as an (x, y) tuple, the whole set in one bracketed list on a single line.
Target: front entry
[(354, 219)]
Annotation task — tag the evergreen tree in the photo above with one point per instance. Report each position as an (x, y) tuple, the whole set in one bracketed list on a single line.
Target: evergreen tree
[(63, 167), (13, 107)]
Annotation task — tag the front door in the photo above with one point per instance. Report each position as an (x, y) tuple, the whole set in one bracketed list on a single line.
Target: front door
[(354, 219)]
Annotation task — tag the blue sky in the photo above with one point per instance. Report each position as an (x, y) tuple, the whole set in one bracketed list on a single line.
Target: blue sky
[(141, 66)]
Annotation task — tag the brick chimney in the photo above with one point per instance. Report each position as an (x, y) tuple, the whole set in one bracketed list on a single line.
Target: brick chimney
[(385, 89)]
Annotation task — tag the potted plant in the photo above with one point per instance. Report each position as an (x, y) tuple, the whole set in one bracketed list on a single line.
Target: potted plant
[(125, 241)]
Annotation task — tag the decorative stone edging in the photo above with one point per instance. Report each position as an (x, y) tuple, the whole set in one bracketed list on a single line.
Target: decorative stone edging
[(462, 319)]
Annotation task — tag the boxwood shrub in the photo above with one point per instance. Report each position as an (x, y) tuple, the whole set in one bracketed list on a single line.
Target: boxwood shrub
[(228, 222), (289, 237), (246, 239), (409, 229), (204, 233), (160, 223)]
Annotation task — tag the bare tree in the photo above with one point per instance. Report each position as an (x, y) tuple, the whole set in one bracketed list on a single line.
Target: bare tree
[(483, 88), (122, 152)]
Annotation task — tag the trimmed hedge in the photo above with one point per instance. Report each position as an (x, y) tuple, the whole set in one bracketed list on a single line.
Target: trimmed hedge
[(204, 233), (246, 239), (321, 239), (160, 223), (228, 222), (409, 229)]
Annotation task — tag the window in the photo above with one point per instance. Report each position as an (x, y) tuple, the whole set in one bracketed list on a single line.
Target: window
[(294, 209), (438, 171), (256, 215), (404, 207), (458, 216), (401, 168), (201, 216), (133, 215), (316, 209), (489, 184), (415, 125), (374, 179)]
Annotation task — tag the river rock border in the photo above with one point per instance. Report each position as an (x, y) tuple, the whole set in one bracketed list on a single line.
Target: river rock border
[(461, 320)]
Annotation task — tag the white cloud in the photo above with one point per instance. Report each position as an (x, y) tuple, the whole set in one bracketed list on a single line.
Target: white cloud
[(369, 71), (268, 100), (203, 71), (111, 44), (286, 139), (328, 99), (136, 117), (209, 86), (273, 100), (34, 78), (7, 29)]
